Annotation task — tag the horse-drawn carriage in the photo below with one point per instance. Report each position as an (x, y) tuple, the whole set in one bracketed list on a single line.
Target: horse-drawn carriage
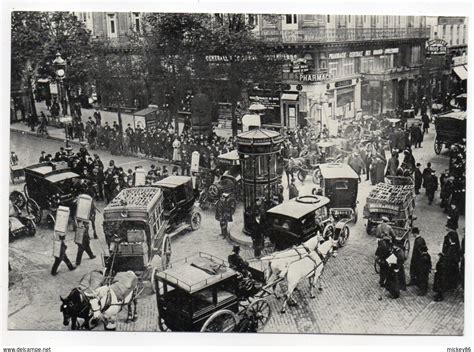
[(48, 185), (178, 204), (339, 182), (229, 182), (327, 152), (297, 220), (450, 129), (201, 293), (396, 202)]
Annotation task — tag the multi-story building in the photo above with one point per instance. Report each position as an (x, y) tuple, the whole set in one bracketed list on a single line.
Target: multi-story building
[(339, 64), (447, 54)]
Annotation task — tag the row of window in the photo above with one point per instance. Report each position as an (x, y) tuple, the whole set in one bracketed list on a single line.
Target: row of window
[(112, 23), (342, 20)]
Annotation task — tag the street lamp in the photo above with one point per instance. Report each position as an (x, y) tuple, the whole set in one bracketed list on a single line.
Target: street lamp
[(59, 65)]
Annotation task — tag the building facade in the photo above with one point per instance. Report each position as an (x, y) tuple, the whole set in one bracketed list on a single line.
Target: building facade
[(340, 64)]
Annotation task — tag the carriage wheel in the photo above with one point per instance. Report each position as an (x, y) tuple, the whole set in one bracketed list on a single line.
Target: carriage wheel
[(328, 232), (25, 191), (261, 311), (162, 325), (221, 321), (301, 175), (165, 252), (344, 236), (203, 203), (33, 209), (213, 190), (18, 199), (50, 220), (195, 220), (317, 176), (376, 265), (406, 247), (30, 226), (438, 147)]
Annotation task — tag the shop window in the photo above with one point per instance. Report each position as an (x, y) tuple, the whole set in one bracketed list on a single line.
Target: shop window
[(333, 68)]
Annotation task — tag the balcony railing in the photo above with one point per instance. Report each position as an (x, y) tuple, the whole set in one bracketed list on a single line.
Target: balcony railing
[(326, 35)]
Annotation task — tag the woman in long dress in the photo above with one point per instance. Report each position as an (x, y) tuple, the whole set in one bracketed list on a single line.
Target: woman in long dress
[(177, 150)]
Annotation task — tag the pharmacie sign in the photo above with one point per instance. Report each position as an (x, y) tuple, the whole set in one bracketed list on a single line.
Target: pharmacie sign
[(314, 77), (360, 53), (437, 47)]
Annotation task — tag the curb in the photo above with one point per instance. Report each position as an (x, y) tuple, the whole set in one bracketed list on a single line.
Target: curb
[(241, 239)]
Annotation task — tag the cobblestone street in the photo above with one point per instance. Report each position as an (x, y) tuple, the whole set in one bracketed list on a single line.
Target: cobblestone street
[(348, 302)]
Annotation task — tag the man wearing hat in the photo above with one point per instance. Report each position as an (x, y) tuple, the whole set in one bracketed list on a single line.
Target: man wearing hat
[(236, 262), (43, 157), (392, 165), (61, 257), (418, 178), (440, 278), (424, 269), (431, 185), (384, 229), (224, 213), (415, 256), (383, 251), (452, 252)]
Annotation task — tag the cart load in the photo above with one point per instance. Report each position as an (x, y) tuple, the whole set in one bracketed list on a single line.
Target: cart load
[(390, 198)]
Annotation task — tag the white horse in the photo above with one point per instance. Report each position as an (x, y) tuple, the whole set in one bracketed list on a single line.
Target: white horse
[(311, 267), (279, 262), (109, 300)]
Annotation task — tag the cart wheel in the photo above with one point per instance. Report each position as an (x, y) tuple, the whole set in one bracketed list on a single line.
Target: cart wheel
[(301, 175), (376, 265), (162, 325), (203, 203), (261, 311), (317, 176), (438, 147), (50, 220), (18, 199), (195, 220), (344, 236), (214, 191), (165, 252), (25, 191), (406, 247), (221, 321), (31, 227), (33, 209), (328, 232)]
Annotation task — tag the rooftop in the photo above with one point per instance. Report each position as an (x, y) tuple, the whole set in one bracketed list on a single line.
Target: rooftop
[(139, 198), (337, 170), (296, 208), (173, 181)]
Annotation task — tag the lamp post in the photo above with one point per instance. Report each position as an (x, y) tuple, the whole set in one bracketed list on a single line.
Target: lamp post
[(59, 65)]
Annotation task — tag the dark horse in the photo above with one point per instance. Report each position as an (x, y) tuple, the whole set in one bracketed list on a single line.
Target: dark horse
[(76, 305)]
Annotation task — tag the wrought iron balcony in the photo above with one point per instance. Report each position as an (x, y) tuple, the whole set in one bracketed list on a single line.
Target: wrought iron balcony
[(328, 35)]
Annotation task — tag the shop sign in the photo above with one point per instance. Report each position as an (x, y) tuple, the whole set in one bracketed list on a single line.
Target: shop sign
[(314, 77), (53, 88), (460, 60), (360, 53), (270, 102), (436, 47), (344, 83)]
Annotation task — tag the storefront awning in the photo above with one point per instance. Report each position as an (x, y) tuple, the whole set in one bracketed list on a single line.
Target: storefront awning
[(289, 96), (461, 72)]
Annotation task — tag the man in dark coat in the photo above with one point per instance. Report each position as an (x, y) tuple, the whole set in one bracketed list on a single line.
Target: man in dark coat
[(424, 270), (415, 256), (440, 278), (292, 190), (418, 178), (426, 123), (431, 185), (426, 172), (224, 214), (408, 160), (383, 251), (392, 165), (452, 251), (402, 283), (84, 246), (236, 262)]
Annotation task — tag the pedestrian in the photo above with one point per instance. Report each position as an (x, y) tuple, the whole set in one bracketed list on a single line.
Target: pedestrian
[(452, 252), (224, 214), (60, 255), (398, 252), (84, 245), (292, 190), (14, 160), (423, 271), (440, 278), (426, 123), (431, 185), (367, 159), (426, 172), (42, 158), (408, 160), (97, 117), (418, 178), (384, 229), (356, 163), (392, 281), (392, 165), (383, 251), (176, 149), (453, 214), (415, 256)]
